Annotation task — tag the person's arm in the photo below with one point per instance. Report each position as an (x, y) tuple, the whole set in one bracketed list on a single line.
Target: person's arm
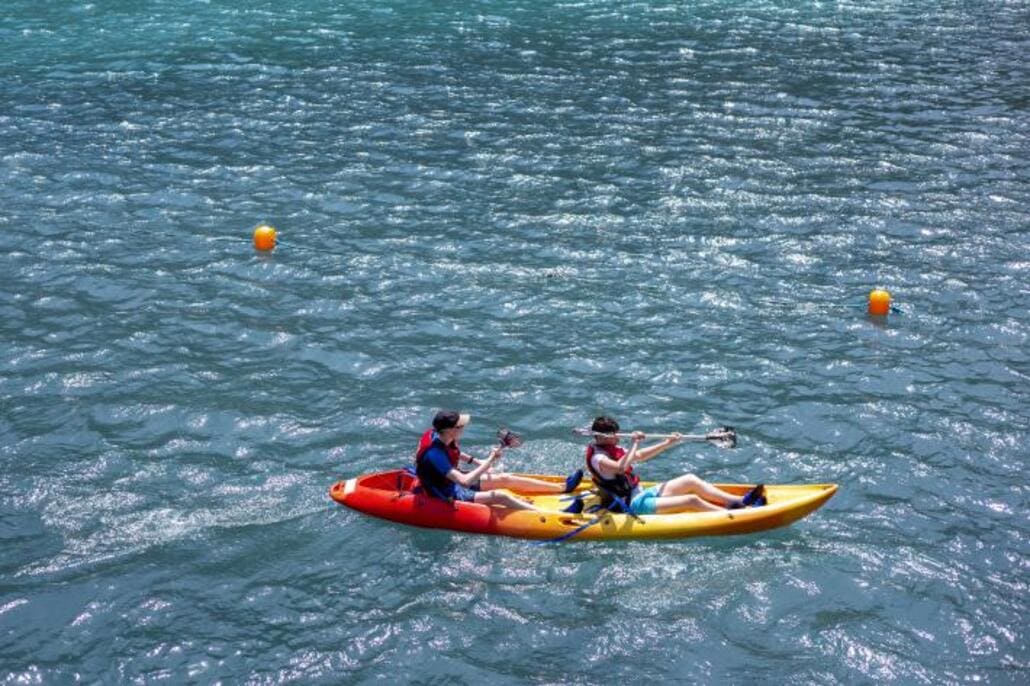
[(467, 479), (656, 449), (607, 464)]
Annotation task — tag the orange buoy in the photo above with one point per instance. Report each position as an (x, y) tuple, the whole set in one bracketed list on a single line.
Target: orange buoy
[(264, 237), (879, 302)]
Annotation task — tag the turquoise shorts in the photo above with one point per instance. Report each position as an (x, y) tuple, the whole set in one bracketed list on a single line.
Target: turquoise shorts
[(645, 502)]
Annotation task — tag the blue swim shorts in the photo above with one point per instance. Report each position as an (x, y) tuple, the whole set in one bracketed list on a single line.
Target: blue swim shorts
[(465, 495), (645, 502)]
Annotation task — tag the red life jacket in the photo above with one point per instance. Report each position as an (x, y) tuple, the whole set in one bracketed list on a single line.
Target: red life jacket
[(453, 451), (621, 485)]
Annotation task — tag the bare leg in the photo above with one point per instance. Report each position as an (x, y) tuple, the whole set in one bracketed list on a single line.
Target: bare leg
[(504, 500), (685, 503), (519, 483), (691, 484)]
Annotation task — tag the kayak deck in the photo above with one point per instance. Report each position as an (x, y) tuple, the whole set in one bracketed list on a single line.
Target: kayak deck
[(389, 495)]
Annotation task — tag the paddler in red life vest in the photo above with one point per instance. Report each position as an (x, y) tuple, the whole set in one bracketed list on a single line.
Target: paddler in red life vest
[(436, 464), (611, 468)]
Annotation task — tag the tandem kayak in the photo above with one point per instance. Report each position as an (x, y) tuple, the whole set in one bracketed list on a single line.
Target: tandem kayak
[(392, 495)]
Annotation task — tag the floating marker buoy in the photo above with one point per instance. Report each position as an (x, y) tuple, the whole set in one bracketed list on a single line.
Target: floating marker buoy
[(264, 237), (879, 302)]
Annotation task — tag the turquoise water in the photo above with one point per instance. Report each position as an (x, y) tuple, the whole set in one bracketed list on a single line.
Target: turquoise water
[(533, 211)]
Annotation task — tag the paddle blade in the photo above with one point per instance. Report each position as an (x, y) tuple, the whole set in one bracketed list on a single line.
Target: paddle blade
[(508, 439), (723, 437), (583, 431)]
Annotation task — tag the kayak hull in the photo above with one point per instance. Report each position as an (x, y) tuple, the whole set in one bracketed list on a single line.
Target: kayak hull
[(389, 495)]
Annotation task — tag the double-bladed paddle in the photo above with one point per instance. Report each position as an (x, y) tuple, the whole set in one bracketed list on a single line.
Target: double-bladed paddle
[(723, 437), (505, 439)]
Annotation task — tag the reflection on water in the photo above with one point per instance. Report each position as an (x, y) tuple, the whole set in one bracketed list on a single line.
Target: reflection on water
[(535, 213)]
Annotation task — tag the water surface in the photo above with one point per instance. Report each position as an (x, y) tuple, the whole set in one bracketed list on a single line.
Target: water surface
[(534, 212)]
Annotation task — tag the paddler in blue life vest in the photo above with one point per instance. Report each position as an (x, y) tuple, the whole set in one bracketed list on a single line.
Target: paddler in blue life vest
[(611, 468), (438, 457)]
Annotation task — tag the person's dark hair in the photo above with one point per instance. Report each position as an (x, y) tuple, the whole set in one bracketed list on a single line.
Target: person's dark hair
[(445, 419), (605, 425)]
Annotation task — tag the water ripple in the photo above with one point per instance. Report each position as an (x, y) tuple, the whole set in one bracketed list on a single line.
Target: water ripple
[(536, 211)]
